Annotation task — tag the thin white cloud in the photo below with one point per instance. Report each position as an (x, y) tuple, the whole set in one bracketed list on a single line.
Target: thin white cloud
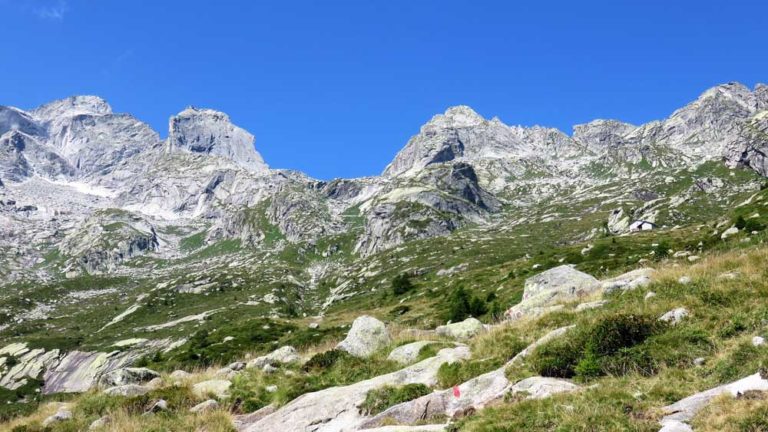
[(117, 63), (54, 12)]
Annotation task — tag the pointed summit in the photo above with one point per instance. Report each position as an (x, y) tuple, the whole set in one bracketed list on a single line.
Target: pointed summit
[(73, 106), (211, 132), (459, 116)]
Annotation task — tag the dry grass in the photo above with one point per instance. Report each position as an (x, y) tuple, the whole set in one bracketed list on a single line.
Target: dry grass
[(746, 413)]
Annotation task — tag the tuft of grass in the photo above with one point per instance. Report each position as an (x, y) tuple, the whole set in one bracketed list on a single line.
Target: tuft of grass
[(380, 399)]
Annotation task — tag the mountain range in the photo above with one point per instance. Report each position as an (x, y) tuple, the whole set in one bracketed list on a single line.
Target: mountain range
[(101, 188)]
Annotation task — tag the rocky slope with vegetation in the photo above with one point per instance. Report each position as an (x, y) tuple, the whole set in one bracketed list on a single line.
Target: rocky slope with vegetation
[(182, 284)]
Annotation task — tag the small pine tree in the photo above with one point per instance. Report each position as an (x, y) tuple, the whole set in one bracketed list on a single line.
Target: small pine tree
[(661, 250), (477, 307), (740, 223), (496, 311), (401, 284), (458, 305)]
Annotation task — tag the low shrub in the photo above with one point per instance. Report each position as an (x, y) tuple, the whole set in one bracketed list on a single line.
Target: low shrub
[(401, 284), (613, 345), (324, 360)]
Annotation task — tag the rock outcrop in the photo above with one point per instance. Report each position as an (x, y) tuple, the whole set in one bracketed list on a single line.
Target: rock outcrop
[(474, 394), (211, 132), (129, 375), (336, 408)]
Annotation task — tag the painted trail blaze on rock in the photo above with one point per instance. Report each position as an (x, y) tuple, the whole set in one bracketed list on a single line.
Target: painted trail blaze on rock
[(456, 392)]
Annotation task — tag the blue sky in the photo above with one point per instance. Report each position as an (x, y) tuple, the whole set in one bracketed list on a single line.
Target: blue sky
[(335, 88)]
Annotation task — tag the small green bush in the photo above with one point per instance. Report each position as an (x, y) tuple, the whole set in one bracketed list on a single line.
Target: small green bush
[(753, 225), (610, 334), (325, 360), (612, 345), (589, 366), (557, 358), (378, 400)]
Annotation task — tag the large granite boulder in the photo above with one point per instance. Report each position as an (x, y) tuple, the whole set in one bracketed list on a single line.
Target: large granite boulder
[(466, 329), (366, 336), (552, 288)]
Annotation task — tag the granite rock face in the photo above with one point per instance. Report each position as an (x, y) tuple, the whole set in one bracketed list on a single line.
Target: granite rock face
[(210, 132)]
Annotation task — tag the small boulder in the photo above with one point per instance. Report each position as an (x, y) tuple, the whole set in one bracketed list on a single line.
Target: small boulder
[(684, 280), (699, 361), (675, 315), (158, 406), (127, 390), (269, 369), (542, 387), (130, 375), (179, 375), (155, 383), (208, 405), (758, 341), (591, 305), (236, 366), (649, 295), (216, 387), (366, 336), (283, 355), (407, 353), (100, 423), (675, 426), (466, 329), (226, 372), (314, 325), (270, 388), (61, 415), (729, 232), (629, 281)]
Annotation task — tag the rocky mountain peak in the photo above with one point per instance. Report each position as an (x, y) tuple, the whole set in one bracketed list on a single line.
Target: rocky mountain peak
[(460, 116), (761, 95), (211, 132), (601, 133), (73, 106), (15, 119)]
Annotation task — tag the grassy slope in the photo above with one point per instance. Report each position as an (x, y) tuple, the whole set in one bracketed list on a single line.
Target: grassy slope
[(496, 259)]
